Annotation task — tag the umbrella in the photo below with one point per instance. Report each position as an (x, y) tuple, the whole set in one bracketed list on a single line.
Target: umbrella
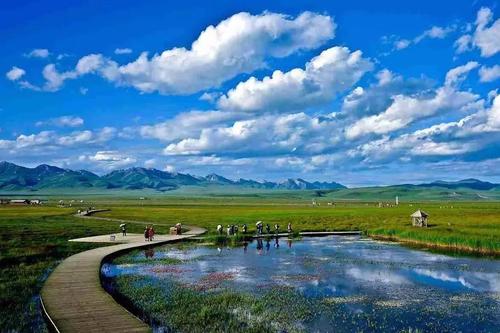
[(258, 222), (122, 225)]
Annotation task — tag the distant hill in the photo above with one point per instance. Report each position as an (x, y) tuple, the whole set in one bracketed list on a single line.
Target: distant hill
[(14, 177), (470, 183)]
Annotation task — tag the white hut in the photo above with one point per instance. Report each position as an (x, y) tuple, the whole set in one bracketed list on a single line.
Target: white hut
[(419, 218)]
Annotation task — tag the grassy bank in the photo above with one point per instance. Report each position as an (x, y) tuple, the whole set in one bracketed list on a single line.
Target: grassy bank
[(34, 239), (471, 227)]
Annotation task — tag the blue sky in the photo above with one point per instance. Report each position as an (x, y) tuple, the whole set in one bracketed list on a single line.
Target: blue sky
[(361, 93)]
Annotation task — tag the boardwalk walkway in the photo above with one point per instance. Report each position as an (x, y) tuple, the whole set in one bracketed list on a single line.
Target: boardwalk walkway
[(74, 300)]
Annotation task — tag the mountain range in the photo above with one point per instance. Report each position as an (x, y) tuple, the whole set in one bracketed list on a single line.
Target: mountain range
[(14, 177)]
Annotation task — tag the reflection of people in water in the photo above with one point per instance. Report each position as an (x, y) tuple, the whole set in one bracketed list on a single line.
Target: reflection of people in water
[(219, 250), (277, 243), (268, 245), (259, 246), (289, 243), (245, 247), (149, 253)]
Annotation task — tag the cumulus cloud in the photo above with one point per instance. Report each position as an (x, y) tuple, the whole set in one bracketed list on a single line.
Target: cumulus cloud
[(333, 71), (15, 73), (123, 51), (239, 44), (187, 124), (468, 135), (485, 37), (38, 53), (264, 135), (64, 121), (109, 159), (379, 96), (52, 140), (406, 109), (489, 74)]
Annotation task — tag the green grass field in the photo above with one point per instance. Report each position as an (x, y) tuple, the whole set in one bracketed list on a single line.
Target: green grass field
[(34, 239)]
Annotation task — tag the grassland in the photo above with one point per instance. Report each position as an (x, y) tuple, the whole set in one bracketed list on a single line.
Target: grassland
[(34, 239)]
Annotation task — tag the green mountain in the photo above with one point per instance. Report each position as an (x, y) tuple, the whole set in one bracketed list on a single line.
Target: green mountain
[(15, 177)]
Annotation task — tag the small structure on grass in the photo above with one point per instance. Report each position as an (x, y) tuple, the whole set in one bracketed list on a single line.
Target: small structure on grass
[(419, 218)]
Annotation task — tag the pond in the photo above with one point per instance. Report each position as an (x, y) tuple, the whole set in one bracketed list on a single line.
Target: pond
[(325, 284)]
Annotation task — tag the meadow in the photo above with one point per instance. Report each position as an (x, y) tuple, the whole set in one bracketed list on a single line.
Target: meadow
[(35, 239)]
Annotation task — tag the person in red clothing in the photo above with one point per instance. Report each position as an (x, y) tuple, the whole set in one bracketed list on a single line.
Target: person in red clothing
[(151, 233)]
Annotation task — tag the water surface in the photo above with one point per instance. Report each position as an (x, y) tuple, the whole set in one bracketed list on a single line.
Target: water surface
[(348, 283)]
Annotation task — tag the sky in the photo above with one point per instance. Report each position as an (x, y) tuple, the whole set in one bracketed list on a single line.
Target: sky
[(363, 93)]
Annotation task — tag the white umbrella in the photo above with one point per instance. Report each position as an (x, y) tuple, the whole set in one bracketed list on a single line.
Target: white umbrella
[(122, 225), (258, 222)]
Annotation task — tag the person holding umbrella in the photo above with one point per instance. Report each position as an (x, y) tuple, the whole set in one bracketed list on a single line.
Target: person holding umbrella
[(259, 227), (123, 228)]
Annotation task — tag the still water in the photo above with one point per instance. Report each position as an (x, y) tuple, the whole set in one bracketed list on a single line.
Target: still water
[(353, 284)]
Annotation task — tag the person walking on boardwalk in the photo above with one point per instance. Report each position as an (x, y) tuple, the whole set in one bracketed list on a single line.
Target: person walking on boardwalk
[(146, 233), (123, 227), (219, 229), (289, 228), (277, 228), (268, 229), (244, 228), (151, 233)]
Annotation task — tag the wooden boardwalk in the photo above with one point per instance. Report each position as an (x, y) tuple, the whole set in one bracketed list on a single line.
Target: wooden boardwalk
[(74, 300), (313, 233)]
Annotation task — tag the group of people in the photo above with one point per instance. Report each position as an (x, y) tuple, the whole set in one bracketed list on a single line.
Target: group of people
[(149, 233), (260, 228), (233, 229)]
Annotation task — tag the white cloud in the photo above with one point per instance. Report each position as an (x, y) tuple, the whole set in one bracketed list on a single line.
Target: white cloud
[(187, 124), (50, 140), (109, 159), (64, 121), (239, 44), (54, 79), (485, 37), (434, 32), (169, 168), (84, 90), (406, 109), (456, 75), (333, 71), (123, 51), (265, 135), (38, 53), (489, 74), (15, 73)]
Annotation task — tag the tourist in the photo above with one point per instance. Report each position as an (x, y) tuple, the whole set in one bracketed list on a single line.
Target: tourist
[(228, 230), (151, 233), (268, 229), (235, 228), (289, 228), (123, 227), (277, 228), (146, 233), (244, 228), (219, 229)]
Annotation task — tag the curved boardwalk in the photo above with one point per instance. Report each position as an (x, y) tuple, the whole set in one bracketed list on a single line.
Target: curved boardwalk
[(74, 300)]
